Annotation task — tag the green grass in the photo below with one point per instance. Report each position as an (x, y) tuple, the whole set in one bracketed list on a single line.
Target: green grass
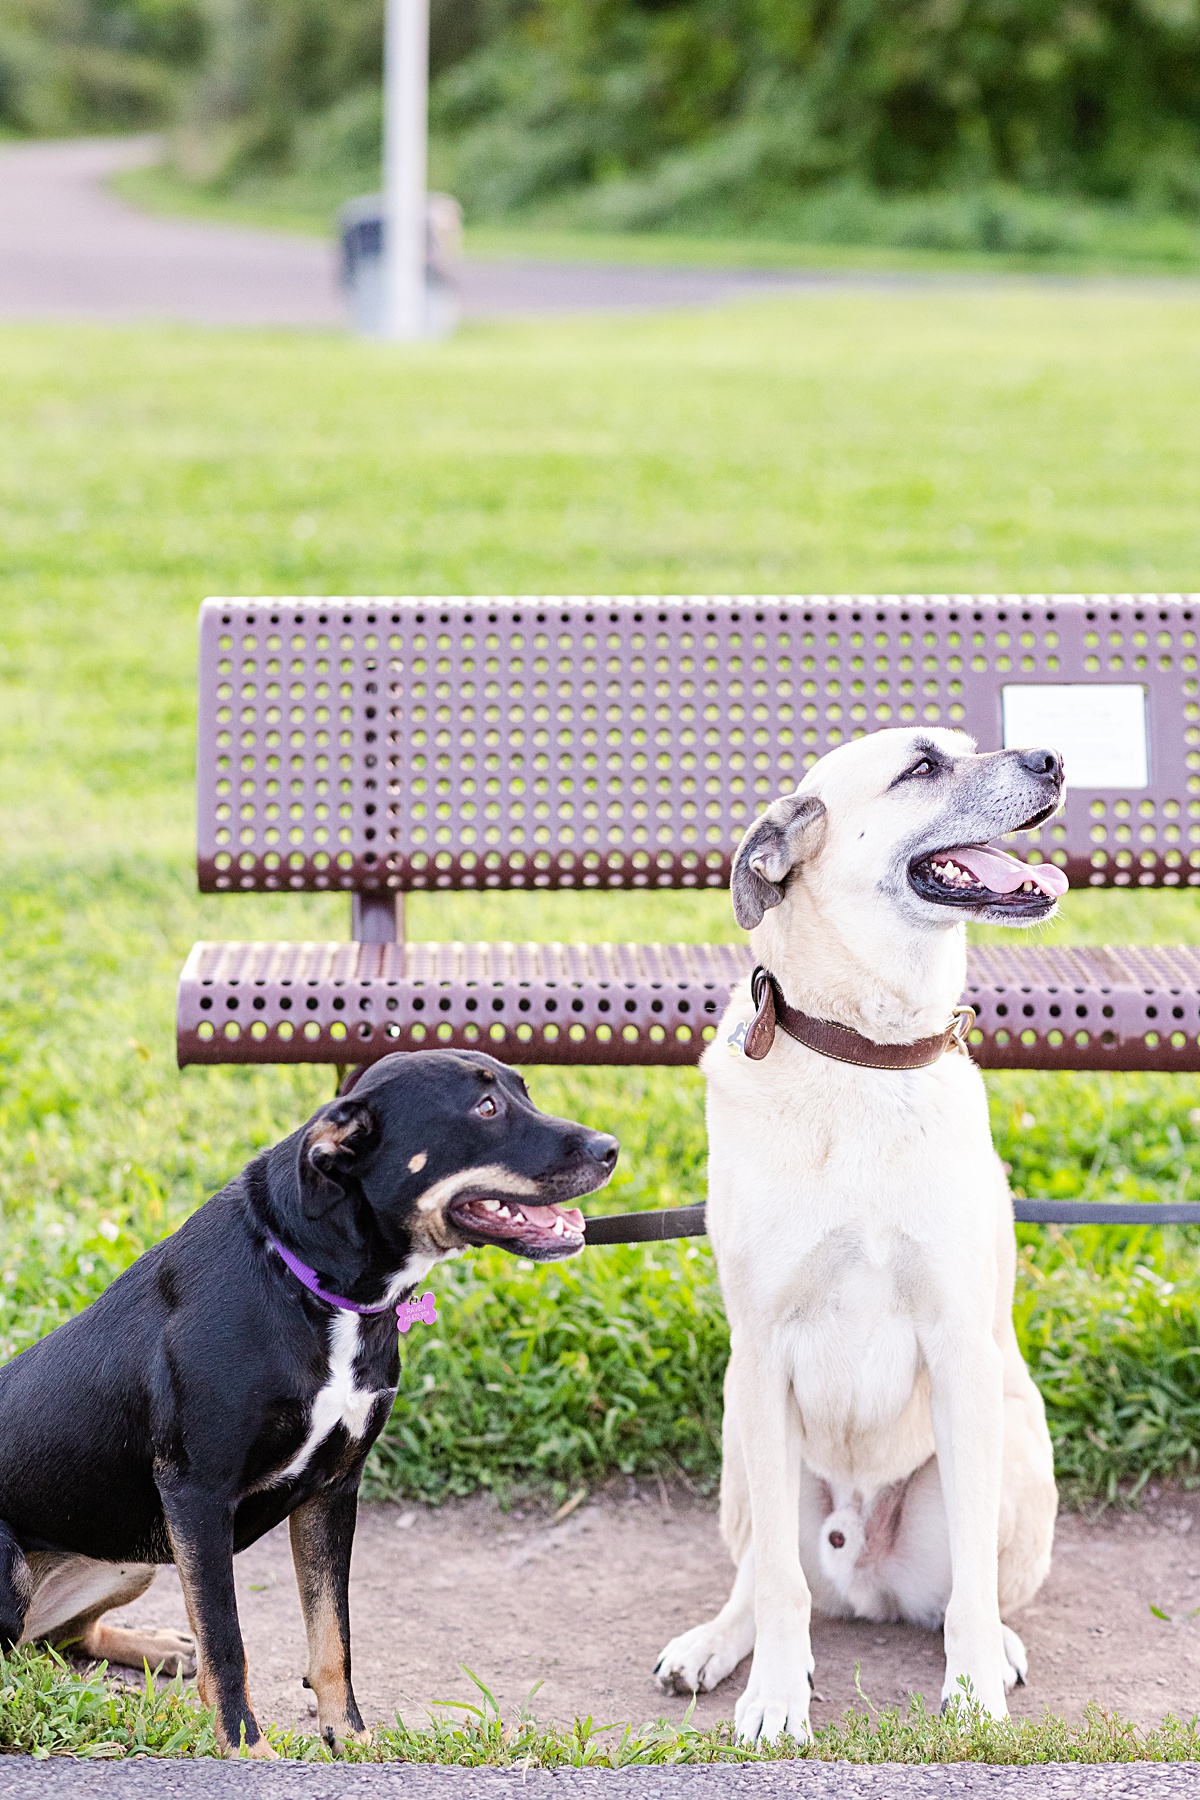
[(851, 233), (1171, 253), (1024, 438), (307, 208), (47, 1709)]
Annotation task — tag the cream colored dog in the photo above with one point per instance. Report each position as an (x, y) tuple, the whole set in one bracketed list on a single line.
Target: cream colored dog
[(885, 1450)]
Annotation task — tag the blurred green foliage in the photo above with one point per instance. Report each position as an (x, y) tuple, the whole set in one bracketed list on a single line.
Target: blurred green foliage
[(88, 65), (816, 119), (293, 86), (667, 109), (253, 84), (285, 82)]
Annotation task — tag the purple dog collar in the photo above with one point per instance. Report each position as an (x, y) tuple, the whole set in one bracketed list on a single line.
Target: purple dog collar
[(408, 1312)]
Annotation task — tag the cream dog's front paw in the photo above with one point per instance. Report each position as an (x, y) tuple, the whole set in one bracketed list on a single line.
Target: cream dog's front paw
[(697, 1660), (776, 1700)]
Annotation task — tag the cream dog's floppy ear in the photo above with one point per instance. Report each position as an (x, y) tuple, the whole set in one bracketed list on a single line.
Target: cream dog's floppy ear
[(790, 830)]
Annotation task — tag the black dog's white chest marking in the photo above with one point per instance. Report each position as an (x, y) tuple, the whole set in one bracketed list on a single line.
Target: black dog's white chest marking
[(340, 1402)]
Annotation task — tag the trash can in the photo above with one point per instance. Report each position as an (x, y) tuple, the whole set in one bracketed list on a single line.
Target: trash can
[(361, 225)]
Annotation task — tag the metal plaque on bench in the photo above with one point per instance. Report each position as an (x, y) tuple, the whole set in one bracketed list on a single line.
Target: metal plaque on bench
[(1099, 728)]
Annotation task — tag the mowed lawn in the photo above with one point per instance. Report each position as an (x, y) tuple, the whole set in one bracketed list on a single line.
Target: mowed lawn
[(1012, 437)]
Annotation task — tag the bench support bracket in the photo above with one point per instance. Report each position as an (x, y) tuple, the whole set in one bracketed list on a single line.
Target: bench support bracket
[(377, 918)]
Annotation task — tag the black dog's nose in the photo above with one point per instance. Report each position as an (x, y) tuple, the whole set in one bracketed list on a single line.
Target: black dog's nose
[(603, 1149), (1041, 762)]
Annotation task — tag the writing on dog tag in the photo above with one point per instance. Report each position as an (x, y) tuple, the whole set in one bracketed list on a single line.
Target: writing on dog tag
[(416, 1312)]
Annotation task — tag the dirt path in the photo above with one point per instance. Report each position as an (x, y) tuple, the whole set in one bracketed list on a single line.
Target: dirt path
[(583, 1607)]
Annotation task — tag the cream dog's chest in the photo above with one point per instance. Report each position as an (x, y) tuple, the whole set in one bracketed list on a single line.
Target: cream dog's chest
[(846, 1224), (848, 1332)]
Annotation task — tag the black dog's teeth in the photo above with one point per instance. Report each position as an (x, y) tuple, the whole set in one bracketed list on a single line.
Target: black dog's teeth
[(499, 1211)]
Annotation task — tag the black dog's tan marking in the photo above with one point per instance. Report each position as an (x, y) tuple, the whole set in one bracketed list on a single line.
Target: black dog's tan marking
[(75, 1592), (208, 1394), (332, 1140), (202, 1551), (322, 1533)]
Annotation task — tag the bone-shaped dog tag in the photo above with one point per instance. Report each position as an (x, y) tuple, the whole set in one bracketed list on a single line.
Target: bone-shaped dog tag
[(416, 1312)]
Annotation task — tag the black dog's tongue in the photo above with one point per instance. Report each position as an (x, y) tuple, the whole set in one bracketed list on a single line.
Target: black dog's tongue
[(559, 1221), (517, 1226)]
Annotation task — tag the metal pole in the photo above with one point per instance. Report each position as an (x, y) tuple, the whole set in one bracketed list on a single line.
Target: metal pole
[(405, 129)]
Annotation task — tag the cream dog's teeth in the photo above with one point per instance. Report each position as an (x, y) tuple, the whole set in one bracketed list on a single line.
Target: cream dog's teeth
[(504, 1212), (952, 874), (491, 1206)]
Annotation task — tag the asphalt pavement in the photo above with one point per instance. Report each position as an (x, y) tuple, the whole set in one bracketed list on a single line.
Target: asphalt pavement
[(72, 249), (21, 1778)]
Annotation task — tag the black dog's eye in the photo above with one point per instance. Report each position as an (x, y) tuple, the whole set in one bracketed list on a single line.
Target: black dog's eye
[(487, 1108)]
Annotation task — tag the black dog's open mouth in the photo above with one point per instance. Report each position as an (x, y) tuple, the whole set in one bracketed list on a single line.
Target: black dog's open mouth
[(977, 876), (539, 1232)]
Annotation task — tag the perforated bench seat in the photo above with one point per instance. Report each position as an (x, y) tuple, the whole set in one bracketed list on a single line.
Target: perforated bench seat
[(525, 1003), (1038, 1007)]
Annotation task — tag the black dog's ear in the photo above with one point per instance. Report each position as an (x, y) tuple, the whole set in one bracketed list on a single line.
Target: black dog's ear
[(789, 831), (332, 1147)]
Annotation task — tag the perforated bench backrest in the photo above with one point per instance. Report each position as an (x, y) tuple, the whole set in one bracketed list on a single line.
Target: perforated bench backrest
[(512, 743)]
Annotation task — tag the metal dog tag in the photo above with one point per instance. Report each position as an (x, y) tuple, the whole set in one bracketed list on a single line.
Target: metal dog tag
[(416, 1312)]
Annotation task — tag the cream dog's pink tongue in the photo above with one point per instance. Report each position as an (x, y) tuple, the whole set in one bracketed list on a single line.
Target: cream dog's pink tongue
[(1003, 874)]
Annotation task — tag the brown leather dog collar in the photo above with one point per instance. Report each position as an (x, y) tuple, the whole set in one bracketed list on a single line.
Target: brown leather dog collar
[(839, 1041)]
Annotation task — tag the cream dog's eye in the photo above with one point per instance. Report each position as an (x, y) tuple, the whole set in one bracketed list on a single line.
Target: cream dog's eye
[(924, 767), (487, 1108)]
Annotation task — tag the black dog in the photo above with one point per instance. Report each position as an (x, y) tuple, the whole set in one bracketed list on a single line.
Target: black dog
[(209, 1393)]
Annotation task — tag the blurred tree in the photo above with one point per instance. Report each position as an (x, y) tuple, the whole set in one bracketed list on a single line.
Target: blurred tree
[(294, 85), (645, 111), (675, 103), (256, 71), (70, 65), (271, 66)]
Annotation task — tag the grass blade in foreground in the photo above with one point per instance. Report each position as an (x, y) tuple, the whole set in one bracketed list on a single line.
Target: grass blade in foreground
[(48, 1709)]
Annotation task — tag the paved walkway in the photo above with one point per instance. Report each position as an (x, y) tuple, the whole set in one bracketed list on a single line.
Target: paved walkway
[(72, 249), (23, 1779)]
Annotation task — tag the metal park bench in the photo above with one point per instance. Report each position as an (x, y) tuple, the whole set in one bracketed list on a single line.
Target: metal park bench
[(385, 747)]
